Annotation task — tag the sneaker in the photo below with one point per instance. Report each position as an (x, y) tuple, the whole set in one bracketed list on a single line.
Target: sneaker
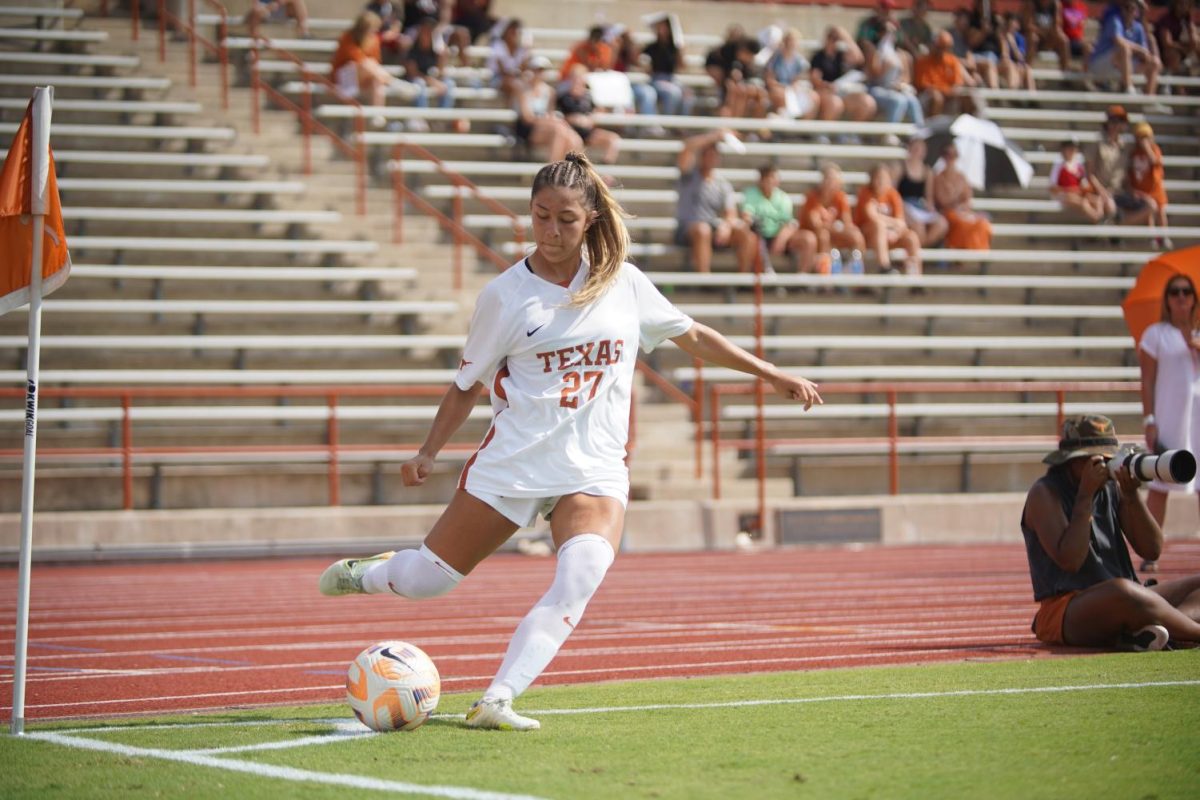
[(1147, 639), (498, 715), (346, 576)]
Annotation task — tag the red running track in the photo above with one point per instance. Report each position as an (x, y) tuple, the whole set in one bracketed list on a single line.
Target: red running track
[(139, 638)]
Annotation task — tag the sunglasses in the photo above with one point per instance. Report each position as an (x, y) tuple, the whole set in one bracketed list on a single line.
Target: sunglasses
[(1180, 291)]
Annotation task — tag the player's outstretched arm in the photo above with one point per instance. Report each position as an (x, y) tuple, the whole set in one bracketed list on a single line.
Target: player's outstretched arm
[(452, 412), (708, 345)]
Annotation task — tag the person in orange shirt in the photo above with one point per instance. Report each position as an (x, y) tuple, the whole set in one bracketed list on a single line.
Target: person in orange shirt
[(880, 214), (355, 66), (1145, 176), (952, 195), (593, 52), (938, 76), (826, 212)]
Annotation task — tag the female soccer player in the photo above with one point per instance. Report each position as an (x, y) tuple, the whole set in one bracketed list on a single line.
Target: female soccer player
[(556, 337)]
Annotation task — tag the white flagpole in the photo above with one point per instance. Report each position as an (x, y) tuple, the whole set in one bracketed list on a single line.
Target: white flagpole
[(43, 98)]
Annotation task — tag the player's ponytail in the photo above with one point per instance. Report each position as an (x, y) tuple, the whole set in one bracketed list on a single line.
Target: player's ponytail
[(607, 239)]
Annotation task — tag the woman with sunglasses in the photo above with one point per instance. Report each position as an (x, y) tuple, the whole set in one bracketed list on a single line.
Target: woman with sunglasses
[(1169, 356)]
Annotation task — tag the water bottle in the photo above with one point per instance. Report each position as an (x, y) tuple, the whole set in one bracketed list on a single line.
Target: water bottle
[(835, 262), (856, 262)]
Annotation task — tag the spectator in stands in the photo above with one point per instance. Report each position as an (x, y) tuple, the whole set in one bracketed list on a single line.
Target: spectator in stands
[(473, 16), (952, 196), (1178, 38), (880, 215), (732, 67), (838, 90), (355, 66), (984, 41), (888, 85), (916, 190), (1105, 160), (538, 122), (392, 41), (575, 104), (826, 212), (1074, 21), (1167, 355), (768, 210), (277, 11), (593, 53), (1014, 56), (872, 29), (626, 57), (1077, 523), (1070, 186), (425, 68), (1144, 174), (706, 217), (665, 60), (1042, 21), (508, 60), (915, 34), (1124, 48), (786, 75), (939, 77)]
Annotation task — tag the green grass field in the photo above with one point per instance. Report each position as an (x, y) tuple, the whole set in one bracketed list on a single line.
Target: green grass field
[(1105, 726)]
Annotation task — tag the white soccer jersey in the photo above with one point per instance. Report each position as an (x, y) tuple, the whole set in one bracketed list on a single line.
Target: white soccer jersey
[(561, 379)]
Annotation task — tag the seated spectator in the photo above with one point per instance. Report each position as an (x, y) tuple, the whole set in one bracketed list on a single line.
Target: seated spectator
[(1105, 161), (952, 195), (538, 122), (627, 57), (508, 60), (1014, 56), (1144, 175), (837, 56), (916, 190), (880, 215), (706, 217), (719, 60), (984, 42), (768, 211), (473, 16), (392, 41), (872, 29), (888, 85), (826, 212), (915, 34), (1042, 22), (665, 59), (277, 11), (787, 85), (593, 53), (1079, 524), (1070, 186), (576, 107), (1123, 48), (355, 65), (939, 76), (1074, 21), (1178, 38), (425, 68)]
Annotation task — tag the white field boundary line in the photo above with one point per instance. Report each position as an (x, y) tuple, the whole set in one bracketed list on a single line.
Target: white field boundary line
[(261, 770)]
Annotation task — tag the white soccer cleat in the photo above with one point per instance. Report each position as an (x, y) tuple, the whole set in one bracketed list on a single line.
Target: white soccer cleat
[(346, 576), (498, 715), (1148, 639)]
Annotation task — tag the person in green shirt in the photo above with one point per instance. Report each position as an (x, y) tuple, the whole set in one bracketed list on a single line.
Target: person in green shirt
[(768, 210)]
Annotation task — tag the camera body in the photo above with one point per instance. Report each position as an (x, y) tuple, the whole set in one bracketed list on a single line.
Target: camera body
[(1171, 466)]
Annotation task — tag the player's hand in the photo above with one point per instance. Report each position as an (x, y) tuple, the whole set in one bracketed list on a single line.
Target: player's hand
[(414, 471), (797, 389), (1095, 475)]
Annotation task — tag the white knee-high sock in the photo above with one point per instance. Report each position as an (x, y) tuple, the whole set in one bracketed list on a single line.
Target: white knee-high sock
[(415, 574), (582, 562)]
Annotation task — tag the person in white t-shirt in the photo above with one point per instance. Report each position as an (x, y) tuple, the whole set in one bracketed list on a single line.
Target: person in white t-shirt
[(555, 337)]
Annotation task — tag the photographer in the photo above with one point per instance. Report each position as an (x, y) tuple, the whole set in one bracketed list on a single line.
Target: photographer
[(1076, 521)]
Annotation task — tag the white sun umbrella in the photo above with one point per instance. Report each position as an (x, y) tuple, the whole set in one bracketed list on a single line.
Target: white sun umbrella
[(984, 155)]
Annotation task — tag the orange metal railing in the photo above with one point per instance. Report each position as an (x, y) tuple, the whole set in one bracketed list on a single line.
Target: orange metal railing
[(188, 28)]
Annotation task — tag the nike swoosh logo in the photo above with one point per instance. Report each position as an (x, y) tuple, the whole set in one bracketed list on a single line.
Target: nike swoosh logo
[(535, 330)]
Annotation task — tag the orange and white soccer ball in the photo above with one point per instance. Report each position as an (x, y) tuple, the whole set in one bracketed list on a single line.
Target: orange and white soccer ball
[(393, 686)]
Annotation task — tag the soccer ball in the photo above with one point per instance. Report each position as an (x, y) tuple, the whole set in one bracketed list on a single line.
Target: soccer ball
[(393, 686)]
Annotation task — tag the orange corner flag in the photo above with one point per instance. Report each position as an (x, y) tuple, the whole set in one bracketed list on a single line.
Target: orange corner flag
[(28, 187)]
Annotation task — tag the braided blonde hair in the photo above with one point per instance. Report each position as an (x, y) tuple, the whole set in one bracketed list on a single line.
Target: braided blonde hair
[(607, 239)]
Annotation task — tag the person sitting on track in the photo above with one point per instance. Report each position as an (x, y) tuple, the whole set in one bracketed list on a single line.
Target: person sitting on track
[(555, 336), (1076, 523)]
